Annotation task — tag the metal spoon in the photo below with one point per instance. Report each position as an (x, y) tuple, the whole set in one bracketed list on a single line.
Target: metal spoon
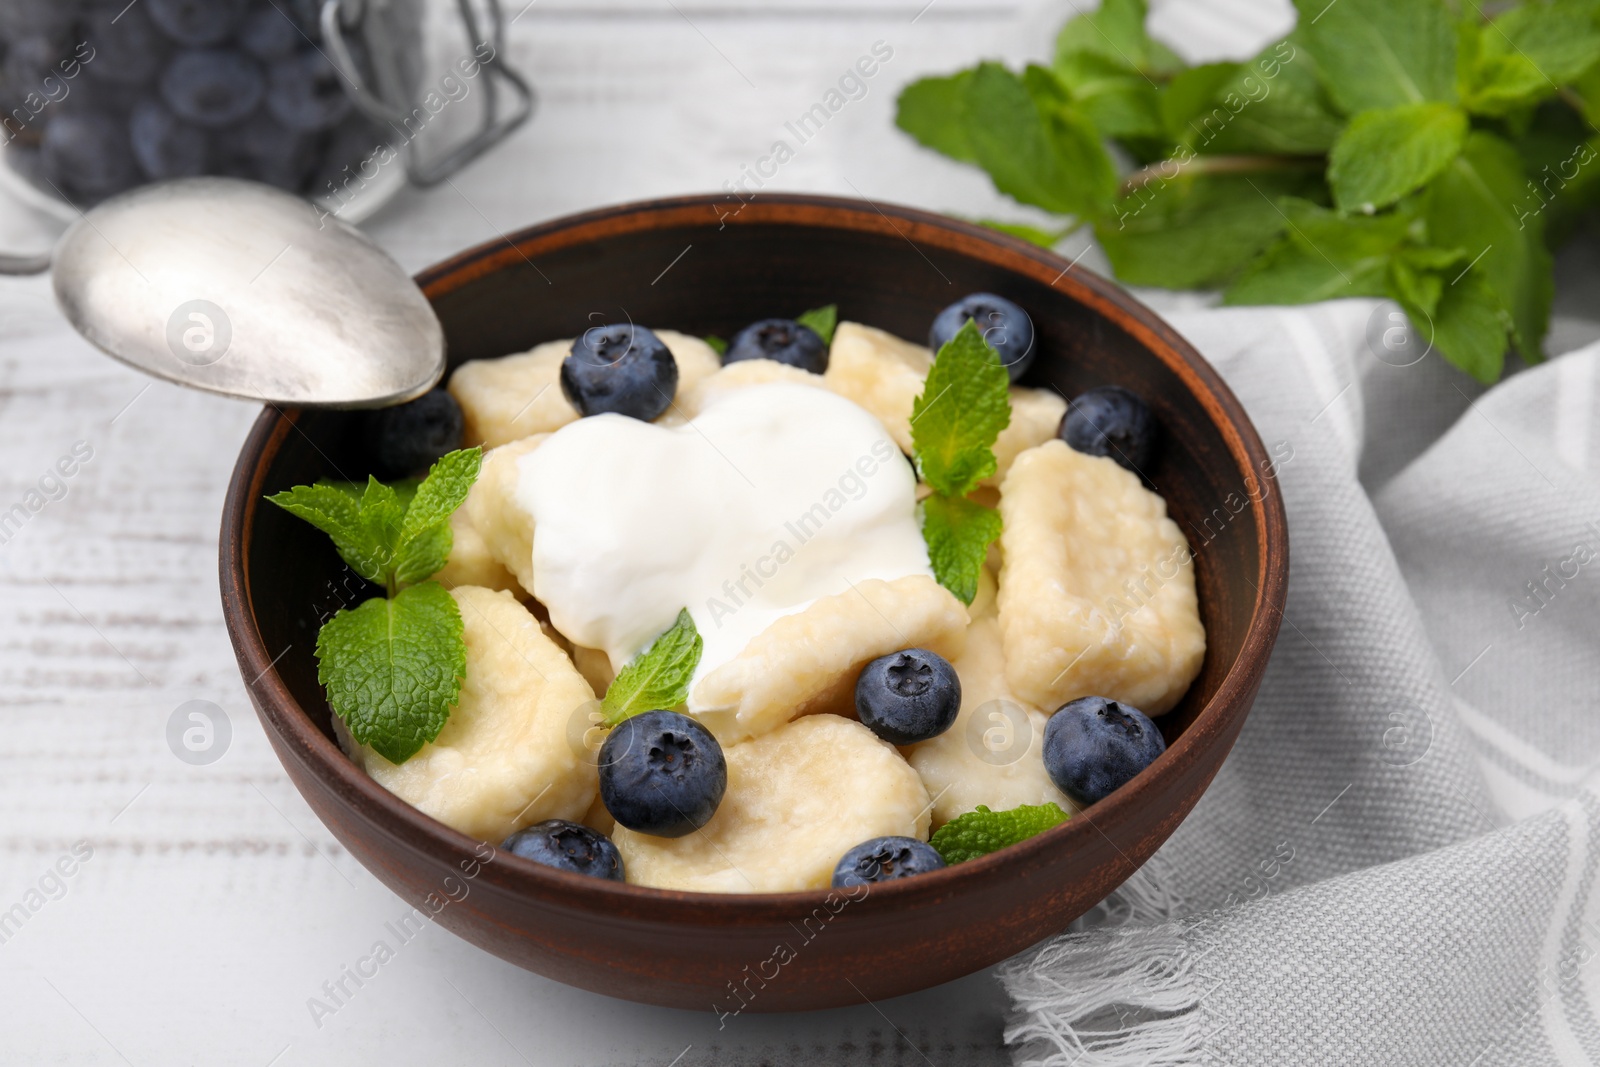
[(240, 289)]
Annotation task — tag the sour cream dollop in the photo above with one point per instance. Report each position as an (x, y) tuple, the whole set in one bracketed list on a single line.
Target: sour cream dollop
[(772, 497)]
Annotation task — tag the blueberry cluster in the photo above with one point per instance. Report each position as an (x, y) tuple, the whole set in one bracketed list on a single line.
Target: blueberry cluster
[(98, 97)]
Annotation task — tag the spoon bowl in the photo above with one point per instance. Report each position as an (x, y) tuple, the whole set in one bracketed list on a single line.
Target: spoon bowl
[(240, 289)]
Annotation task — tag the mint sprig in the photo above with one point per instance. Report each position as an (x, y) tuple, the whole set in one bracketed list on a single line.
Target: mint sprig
[(981, 831), (393, 665), (823, 321), (1477, 133), (657, 678), (964, 404)]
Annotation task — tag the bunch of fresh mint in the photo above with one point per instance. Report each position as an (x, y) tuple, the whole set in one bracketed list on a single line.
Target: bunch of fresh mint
[(965, 403), (1419, 150), (393, 665)]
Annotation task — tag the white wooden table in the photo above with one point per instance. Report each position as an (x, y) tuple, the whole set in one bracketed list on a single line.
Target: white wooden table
[(212, 905)]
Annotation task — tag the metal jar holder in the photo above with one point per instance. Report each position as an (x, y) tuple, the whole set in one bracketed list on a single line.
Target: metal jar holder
[(388, 101)]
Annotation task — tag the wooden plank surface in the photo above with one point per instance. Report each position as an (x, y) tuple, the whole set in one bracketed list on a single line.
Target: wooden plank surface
[(206, 905)]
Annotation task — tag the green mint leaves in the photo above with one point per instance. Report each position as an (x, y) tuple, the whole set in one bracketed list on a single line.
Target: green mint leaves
[(823, 321), (958, 533), (390, 535), (980, 832), (965, 403), (393, 668), (657, 678), (393, 665), (1388, 152), (1440, 148)]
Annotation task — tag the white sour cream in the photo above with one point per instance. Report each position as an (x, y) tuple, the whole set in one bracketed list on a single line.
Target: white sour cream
[(773, 497)]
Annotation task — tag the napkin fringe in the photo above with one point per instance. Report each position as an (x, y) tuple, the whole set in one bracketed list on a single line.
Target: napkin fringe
[(1120, 998), (1120, 990)]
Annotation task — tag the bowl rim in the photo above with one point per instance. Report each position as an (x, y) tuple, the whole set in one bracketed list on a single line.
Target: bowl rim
[(381, 810)]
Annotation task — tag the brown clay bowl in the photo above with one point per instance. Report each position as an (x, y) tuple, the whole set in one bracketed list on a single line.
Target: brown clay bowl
[(710, 265)]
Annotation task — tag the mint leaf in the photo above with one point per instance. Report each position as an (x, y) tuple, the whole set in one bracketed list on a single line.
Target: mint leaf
[(364, 542), (1469, 327), (443, 491), (823, 321), (1192, 96), (1051, 158), (1475, 206), (964, 404), (717, 344), (1277, 106), (1041, 237), (933, 110), (1380, 53), (958, 533), (1116, 31), (425, 537), (1119, 101), (1194, 231), (1560, 40), (393, 668), (980, 832), (657, 679), (1388, 152)]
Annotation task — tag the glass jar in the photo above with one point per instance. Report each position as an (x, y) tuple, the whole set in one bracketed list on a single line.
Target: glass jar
[(333, 100)]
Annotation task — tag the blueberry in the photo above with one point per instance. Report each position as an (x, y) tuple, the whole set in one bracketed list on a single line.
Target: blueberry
[(197, 22), (128, 49), (270, 35), (662, 773), (620, 368), (908, 696), (782, 340), (1110, 421), (407, 438), (212, 87), (88, 156), (165, 145), (306, 92), (885, 859), (1092, 746), (567, 846), (28, 62), (263, 149), (1003, 324)]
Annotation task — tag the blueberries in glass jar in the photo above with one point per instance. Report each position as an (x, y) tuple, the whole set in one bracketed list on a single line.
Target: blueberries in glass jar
[(885, 859), (908, 696), (567, 846), (306, 92), (662, 773), (620, 368), (263, 149), (781, 340), (212, 87), (128, 49), (1111, 421), (407, 438), (270, 35), (88, 156), (1006, 327), (197, 23), (165, 145), (1094, 746)]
